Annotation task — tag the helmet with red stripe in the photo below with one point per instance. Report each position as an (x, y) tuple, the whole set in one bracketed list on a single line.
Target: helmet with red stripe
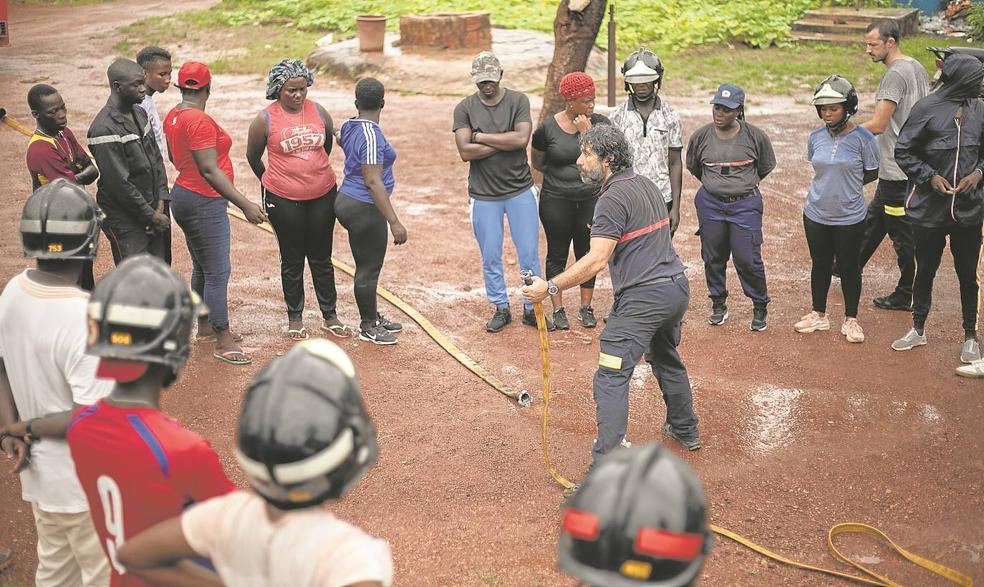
[(639, 519)]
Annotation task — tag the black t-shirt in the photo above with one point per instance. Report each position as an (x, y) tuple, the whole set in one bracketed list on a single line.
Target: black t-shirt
[(631, 210), (561, 177), (506, 173), (730, 167)]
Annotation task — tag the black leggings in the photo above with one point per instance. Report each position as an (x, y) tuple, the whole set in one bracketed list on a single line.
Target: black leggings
[(566, 221), (828, 243), (965, 246), (304, 231), (368, 237)]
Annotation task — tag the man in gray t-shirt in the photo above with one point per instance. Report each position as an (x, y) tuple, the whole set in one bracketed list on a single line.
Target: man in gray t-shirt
[(491, 130), (904, 83)]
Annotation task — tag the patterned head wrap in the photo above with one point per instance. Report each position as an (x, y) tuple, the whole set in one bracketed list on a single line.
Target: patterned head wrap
[(287, 69), (576, 85)]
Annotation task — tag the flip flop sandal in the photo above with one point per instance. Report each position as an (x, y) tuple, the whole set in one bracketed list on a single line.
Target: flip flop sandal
[(211, 338), (339, 330), (298, 333), (227, 357)]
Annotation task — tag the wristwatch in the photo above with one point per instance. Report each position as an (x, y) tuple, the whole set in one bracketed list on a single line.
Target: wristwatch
[(552, 288), (30, 432)]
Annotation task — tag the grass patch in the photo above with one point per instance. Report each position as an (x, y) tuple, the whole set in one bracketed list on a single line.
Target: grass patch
[(242, 49), (664, 25), (787, 69)]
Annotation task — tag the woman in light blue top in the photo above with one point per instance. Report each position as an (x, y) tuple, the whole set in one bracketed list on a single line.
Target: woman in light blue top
[(844, 158)]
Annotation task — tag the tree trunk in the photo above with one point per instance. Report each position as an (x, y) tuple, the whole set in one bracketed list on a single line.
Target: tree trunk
[(574, 37)]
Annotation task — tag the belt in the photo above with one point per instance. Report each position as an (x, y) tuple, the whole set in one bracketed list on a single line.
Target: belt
[(732, 198)]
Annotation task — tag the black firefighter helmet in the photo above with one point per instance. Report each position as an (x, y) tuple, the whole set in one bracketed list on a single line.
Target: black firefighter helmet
[(639, 519), (141, 313), (641, 67), (304, 436), (60, 221)]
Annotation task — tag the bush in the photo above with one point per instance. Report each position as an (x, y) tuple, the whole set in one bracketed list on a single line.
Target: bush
[(975, 20), (663, 25)]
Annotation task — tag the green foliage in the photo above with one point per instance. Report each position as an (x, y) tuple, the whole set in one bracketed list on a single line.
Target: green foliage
[(975, 19), (664, 25)]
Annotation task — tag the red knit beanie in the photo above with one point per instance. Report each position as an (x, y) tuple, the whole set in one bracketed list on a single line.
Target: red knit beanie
[(576, 85)]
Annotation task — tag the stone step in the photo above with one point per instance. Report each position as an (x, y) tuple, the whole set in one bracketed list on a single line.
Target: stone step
[(811, 25), (851, 39), (843, 15)]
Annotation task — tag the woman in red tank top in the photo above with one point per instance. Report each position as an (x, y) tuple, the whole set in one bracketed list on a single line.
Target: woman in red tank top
[(299, 190)]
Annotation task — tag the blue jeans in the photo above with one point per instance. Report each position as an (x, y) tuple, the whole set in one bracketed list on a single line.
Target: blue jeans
[(206, 227), (524, 227)]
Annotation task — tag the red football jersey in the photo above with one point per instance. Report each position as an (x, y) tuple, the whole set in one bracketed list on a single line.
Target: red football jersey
[(139, 467)]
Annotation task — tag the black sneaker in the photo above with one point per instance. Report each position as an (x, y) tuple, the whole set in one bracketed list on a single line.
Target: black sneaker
[(760, 320), (529, 319), (587, 317), (388, 324), (894, 301), (499, 320), (377, 334), (719, 313), (690, 444), (560, 320)]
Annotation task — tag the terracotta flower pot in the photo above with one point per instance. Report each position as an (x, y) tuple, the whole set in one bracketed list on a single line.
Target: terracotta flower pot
[(372, 32)]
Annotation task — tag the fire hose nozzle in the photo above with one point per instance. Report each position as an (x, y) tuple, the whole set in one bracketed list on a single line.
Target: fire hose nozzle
[(527, 275), (524, 398)]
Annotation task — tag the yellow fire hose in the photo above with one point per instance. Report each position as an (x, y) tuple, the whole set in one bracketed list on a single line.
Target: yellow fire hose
[(521, 396), (524, 399), (14, 124), (541, 328)]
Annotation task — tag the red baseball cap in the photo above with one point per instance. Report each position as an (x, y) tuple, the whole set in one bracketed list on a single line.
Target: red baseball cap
[(193, 75), (120, 370)]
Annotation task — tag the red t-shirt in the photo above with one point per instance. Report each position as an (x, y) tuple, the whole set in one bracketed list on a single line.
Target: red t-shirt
[(50, 158), (139, 467), (192, 130)]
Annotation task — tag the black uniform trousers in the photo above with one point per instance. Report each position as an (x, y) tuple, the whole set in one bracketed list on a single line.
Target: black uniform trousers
[(886, 215), (965, 246), (645, 319), (128, 238)]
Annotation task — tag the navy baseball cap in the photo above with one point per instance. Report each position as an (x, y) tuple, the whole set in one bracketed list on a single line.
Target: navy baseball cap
[(729, 96)]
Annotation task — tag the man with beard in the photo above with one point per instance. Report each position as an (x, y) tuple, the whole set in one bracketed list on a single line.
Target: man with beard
[(630, 232), (652, 129), (939, 150), (905, 82), (132, 178)]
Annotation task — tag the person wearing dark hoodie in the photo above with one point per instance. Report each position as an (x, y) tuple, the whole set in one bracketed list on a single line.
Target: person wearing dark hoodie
[(940, 151)]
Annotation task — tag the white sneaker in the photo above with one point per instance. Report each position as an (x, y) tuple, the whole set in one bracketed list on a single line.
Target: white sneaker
[(974, 370), (852, 330), (812, 322)]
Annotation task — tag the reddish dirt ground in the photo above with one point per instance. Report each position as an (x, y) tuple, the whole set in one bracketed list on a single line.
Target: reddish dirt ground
[(800, 431)]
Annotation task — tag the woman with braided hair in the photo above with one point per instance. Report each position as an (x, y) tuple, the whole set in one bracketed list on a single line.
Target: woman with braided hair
[(299, 190), (566, 203)]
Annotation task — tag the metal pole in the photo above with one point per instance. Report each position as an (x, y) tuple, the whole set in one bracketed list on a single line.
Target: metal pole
[(611, 54)]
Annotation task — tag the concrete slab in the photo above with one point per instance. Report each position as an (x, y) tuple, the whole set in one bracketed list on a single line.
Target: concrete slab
[(525, 56)]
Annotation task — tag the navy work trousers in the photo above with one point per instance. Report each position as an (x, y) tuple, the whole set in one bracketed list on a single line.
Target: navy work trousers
[(645, 319), (732, 230)]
